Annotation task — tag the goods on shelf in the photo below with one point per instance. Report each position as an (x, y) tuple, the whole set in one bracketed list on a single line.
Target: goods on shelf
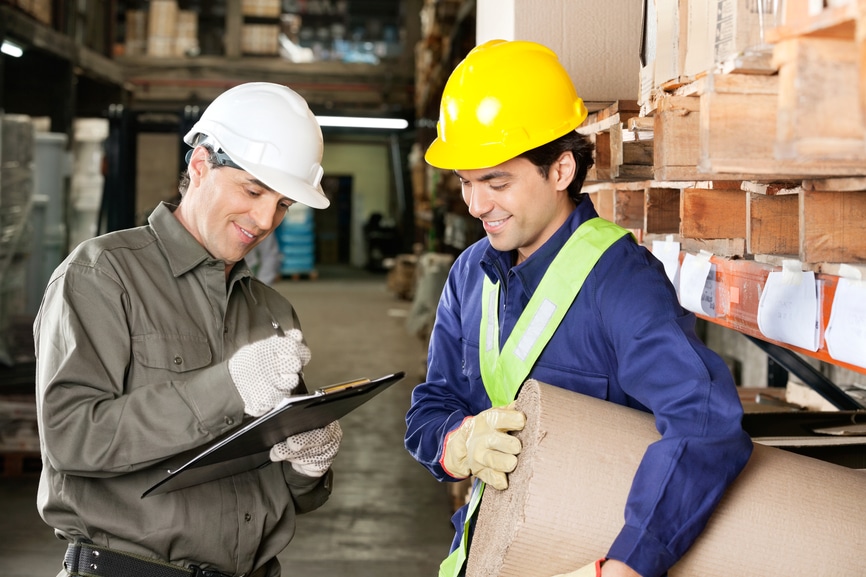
[(89, 136), (16, 198), (296, 236)]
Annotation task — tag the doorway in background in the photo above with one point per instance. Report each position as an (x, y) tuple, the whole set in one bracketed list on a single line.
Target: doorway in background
[(334, 224)]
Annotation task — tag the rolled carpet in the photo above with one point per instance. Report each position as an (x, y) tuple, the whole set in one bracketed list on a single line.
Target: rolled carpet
[(786, 515)]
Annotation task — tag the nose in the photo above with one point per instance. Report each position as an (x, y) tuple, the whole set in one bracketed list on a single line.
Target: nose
[(477, 200), (264, 215)]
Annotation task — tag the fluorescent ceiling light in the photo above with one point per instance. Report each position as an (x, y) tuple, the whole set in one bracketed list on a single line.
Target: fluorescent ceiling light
[(359, 122), (11, 49)]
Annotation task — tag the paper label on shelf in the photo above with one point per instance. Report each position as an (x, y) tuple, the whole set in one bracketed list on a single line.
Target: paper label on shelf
[(698, 284), (788, 309), (668, 251), (850, 272), (846, 332)]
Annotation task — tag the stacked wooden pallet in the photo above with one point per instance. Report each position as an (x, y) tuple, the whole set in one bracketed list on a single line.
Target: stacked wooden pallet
[(756, 163)]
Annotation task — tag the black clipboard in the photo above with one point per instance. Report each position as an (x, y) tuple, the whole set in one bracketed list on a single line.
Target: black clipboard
[(248, 447)]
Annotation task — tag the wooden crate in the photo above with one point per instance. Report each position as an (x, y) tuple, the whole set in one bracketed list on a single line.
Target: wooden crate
[(738, 124), (824, 122), (714, 220), (772, 224), (676, 126), (662, 210), (832, 226), (615, 157)]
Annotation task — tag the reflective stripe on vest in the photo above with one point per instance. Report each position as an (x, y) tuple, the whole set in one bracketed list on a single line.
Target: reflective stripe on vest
[(503, 373)]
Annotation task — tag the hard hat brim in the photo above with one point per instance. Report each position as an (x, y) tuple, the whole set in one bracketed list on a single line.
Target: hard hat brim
[(292, 188)]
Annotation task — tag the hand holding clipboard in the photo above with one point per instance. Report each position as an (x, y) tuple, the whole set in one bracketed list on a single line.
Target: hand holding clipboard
[(248, 446)]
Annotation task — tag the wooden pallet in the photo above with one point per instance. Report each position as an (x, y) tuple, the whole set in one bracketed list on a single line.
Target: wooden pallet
[(20, 464)]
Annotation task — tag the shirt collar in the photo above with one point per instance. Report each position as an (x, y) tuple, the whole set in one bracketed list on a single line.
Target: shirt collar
[(181, 249)]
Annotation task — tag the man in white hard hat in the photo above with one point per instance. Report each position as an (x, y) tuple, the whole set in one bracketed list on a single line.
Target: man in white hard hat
[(154, 340)]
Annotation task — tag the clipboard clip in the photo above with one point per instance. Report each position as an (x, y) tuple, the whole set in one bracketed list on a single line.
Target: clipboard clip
[(342, 386)]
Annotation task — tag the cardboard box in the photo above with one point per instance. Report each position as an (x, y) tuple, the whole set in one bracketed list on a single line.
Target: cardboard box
[(186, 41), (741, 26), (700, 32), (135, 42), (161, 27), (671, 40), (261, 8), (600, 48), (260, 39)]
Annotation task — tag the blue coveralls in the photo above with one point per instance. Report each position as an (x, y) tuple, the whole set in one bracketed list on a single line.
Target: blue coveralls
[(625, 339)]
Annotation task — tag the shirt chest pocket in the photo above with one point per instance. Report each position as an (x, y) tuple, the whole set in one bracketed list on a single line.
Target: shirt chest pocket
[(174, 353)]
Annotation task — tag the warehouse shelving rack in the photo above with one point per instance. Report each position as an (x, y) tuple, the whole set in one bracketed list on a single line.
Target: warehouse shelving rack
[(750, 163)]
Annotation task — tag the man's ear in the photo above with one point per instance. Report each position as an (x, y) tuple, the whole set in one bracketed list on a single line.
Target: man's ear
[(198, 164), (564, 170)]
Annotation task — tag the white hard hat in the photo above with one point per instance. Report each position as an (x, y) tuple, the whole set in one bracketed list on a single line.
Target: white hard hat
[(269, 131)]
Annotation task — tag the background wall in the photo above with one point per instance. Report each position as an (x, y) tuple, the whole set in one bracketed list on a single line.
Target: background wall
[(367, 162), (369, 165), (157, 176)]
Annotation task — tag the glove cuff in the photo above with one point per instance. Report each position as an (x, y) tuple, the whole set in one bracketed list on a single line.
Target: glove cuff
[(455, 463)]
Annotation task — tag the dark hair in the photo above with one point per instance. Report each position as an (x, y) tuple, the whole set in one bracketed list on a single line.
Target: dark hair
[(212, 159), (579, 145)]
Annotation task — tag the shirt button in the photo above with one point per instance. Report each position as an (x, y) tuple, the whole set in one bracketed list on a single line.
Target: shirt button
[(229, 421), (247, 517), (178, 360)]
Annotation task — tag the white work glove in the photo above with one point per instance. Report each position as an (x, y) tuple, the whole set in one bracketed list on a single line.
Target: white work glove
[(481, 446), (311, 452), (591, 570), (267, 371)]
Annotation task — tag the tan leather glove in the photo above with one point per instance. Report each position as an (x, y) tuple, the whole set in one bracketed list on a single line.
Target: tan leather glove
[(591, 570), (481, 446)]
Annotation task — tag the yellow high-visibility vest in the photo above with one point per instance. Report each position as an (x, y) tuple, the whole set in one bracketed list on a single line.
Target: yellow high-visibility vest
[(503, 372)]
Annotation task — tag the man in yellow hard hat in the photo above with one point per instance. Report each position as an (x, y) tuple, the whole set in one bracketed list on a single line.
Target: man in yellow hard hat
[(557, 294)]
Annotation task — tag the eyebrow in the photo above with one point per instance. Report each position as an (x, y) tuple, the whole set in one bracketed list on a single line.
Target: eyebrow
[(489, 175)]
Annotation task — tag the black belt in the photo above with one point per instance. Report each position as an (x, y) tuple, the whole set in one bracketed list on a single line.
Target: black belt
[(89, 560)]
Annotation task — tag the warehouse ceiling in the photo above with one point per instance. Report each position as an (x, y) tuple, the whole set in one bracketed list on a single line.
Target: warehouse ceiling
[(346, 57), (92, 70)]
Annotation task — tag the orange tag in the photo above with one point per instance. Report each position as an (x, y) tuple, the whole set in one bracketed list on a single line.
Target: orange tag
[(735, 294)]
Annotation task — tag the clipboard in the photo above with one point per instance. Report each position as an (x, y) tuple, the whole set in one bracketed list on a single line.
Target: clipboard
[(248, 446)]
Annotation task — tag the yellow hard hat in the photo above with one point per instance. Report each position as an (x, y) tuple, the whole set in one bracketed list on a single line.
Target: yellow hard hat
[(504, 98)]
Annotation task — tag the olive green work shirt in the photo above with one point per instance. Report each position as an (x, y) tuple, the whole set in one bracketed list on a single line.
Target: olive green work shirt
[(132, 343)]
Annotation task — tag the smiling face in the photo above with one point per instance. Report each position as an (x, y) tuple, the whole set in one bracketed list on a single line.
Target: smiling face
[(519, 208), (227, 210)]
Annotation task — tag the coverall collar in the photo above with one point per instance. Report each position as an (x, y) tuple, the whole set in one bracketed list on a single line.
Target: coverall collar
[(497, 265)]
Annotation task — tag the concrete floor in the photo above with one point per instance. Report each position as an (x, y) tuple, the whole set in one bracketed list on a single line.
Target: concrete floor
[(387, 516)]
